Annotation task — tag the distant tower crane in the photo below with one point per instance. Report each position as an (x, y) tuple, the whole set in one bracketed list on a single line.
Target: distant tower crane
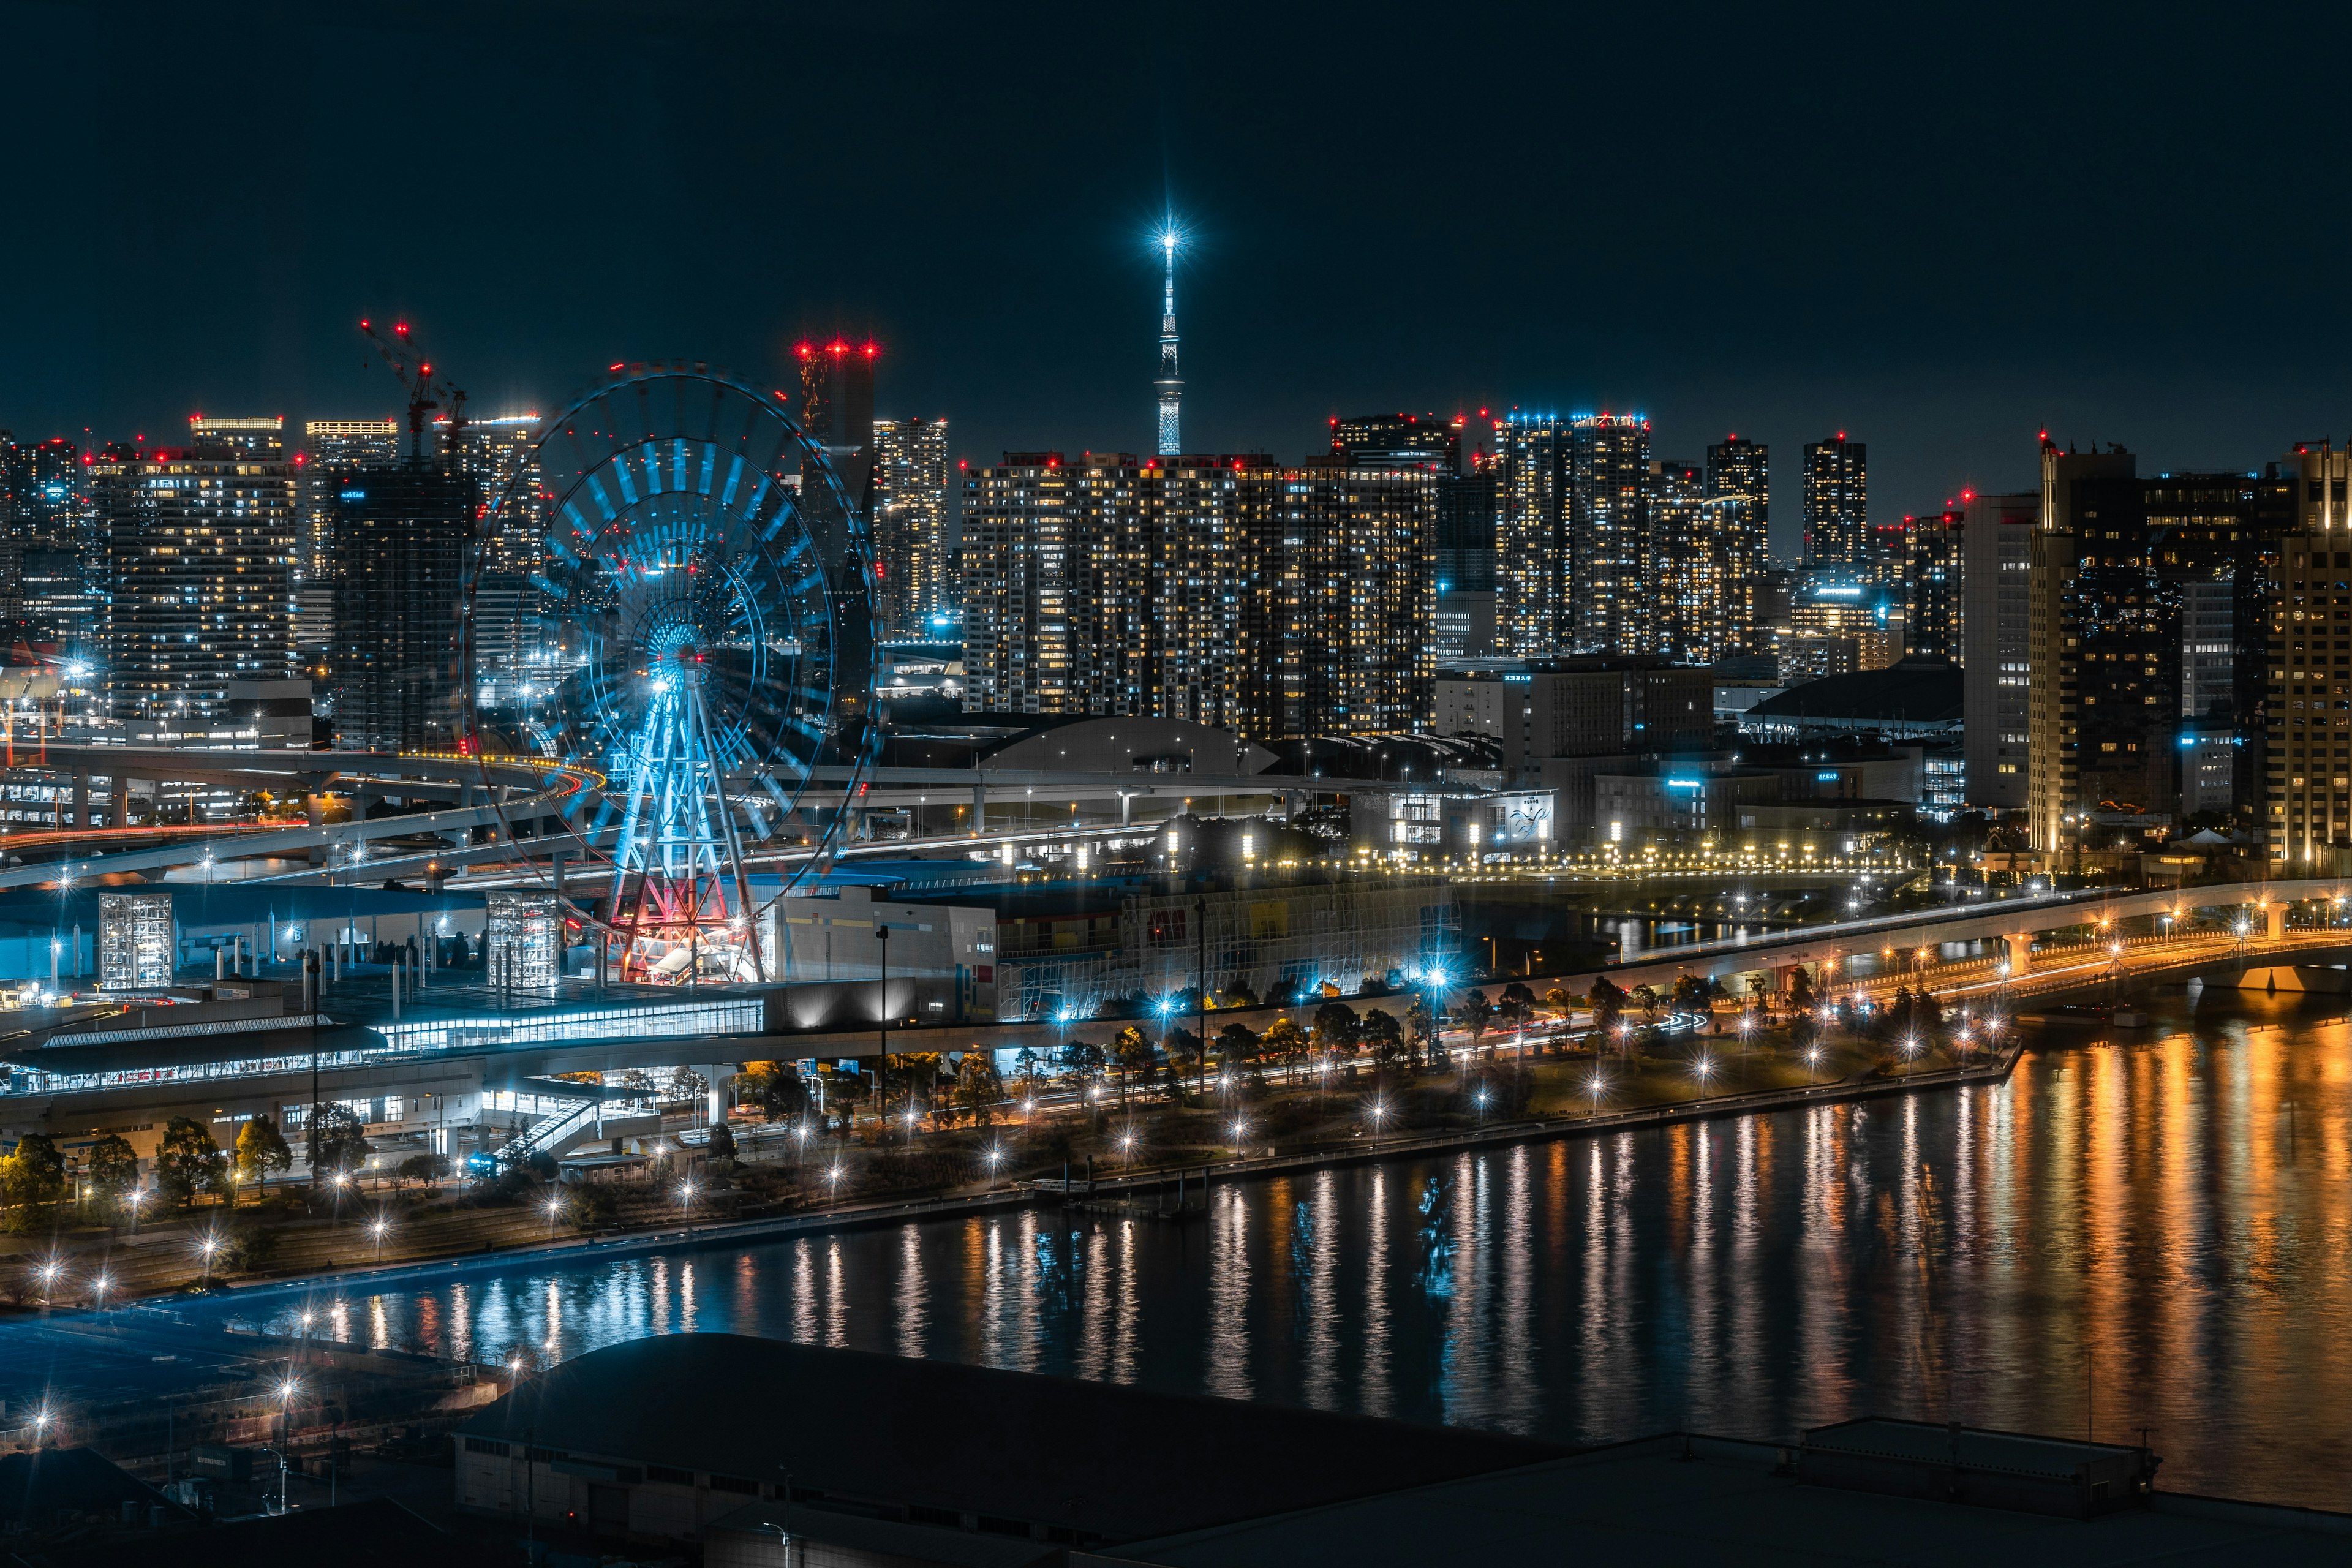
[(400, 352)]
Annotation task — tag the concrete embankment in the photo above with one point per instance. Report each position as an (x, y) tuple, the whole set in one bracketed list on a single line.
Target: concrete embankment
[(717, 1234)]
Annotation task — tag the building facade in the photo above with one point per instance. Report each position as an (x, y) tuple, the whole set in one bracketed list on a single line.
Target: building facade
[(1996, 542), (2306, 739), (1837, 502), (910, 523), (1740, 482), (397, 558), (1609, 567), (1531, 536), (200, 546), (1278, 601)]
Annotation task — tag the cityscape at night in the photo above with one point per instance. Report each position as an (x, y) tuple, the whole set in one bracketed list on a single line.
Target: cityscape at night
[(660, 662)]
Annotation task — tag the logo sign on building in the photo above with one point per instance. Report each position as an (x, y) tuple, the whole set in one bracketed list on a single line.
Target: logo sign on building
[(136, 944)]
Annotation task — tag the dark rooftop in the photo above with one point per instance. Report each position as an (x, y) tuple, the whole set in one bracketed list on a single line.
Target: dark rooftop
[(1679, 1498), (1911, 692), (1106, 1461)]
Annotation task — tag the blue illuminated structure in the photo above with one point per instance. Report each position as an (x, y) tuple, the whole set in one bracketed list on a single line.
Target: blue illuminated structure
[(706, 597), (1171, 385)]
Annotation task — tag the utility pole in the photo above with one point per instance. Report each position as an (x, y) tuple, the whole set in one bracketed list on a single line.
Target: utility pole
[(882, 936), (310, 989), (1201, 999)]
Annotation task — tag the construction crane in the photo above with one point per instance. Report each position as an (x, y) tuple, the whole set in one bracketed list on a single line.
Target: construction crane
[(426, 391)]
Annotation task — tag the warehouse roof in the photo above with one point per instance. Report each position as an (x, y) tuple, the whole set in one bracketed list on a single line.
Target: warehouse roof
[(1914, 691), (1101, 1461)]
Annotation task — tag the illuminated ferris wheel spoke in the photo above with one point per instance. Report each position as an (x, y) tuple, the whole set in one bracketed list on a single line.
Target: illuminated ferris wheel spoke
[(715, 641)]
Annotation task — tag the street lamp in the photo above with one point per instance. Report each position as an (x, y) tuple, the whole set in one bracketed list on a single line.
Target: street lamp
[(376, 1233), (1594, 1084), (995, 1158), (207, 1246), (98, 1286), (554, 1208)]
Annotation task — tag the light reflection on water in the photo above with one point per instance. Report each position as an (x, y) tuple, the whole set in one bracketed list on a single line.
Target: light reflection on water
[(2153, 1236)]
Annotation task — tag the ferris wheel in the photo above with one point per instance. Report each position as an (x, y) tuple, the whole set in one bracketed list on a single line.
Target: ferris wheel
[(701, 626)]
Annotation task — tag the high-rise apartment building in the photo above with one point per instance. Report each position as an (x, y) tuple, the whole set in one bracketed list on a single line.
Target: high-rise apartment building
[(1233, 591), (2114, 558), (1837, 502), (1531, 536), (1337, 596), (1935, 579), (501, 454), (397, 557), (910, 523), (200, 560), (1997, 540), (2306, 803), (1462, 625), (330, 447), (1739, 481), (1688, 570), (1609, 534)]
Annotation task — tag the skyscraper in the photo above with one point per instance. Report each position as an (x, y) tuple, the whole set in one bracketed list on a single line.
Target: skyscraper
[(1171, 385), (1609, 533), (2115, 558), (1531, 549), (1685, 580), (1996, 542), (502, 453), (1277, 600), (1462, 539), (396, 557), (2307, 805), (837, 393), (1740, 482), (910, 516), (1934, 577), (1837, 502), (330, 447), (200, 557)]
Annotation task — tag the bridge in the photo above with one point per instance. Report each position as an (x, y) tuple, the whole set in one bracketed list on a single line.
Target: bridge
[(2261, 906)]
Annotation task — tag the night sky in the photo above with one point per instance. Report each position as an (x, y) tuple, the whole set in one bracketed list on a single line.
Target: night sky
[(1941, 230)]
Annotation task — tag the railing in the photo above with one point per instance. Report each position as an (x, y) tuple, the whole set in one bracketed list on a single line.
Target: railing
[(549, 1131)]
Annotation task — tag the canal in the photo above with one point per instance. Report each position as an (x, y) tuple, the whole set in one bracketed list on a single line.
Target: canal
[(2151, 1234)]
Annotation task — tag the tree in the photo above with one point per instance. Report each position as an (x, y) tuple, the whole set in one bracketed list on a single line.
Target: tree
[(1801, 989), (1336, 1029), (1477, 1015), (339, 1143), (722, 1145), (1237, 1047), (1420, 1027), (773, 1089), (979, 1087), (1284, 1041), (1185, 1054), (188, 1162), (1647, 995), (1386, 1037), (35, 1174), (260, 1149), (1236, 993), (1132, 1050), (113, 1168), (425, 1169), (1608, 1006), (1559, 1001)]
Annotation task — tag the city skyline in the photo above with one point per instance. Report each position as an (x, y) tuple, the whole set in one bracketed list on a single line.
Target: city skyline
[(1860, 303)]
